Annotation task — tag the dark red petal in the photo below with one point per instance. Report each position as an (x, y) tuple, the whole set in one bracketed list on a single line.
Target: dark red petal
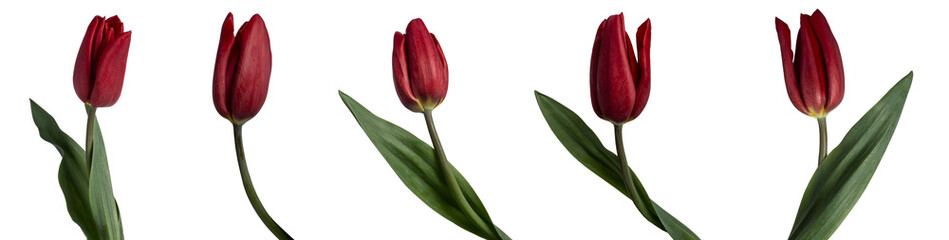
[(790, 77), (443, 90), (400, 74), (252, 72), (107, 36), (110, 72), (115, 24), (811, 69), (832, 59), (594, 61), (82, 71), (633, 65), (426, 75), (220, 83), (97, 44), (643, 42), (615, 87)]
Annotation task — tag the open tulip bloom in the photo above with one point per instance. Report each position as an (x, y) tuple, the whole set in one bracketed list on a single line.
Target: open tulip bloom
[(240, 82), (814, 77), (420, 73), (84, 174)]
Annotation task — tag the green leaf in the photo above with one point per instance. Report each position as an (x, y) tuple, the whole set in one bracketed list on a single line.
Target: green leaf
[(586, 147), (90, 203), (414, 162), (104, 208), (73, 173), (839, 181)]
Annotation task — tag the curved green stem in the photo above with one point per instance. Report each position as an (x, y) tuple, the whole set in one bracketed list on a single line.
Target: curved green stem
[(822, 125), (449, 176), (249, 188), (643, 203), (90, 125)]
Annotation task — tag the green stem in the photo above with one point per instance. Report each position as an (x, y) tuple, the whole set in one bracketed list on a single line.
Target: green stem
[(822, 125), (449, 176), (643, 203), (249, 188), (90, 125)]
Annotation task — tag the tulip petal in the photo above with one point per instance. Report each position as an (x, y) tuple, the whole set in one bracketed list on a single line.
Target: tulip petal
[(790, 77), (834, 65), (252, 70), (110, 72), (221, 84), (83, 71), (443, 88), (594, 62), (810, 69), (400, 74), (424, 64), (97, 44), (115, 24), (616, 91), (631, 60), (643, 42)]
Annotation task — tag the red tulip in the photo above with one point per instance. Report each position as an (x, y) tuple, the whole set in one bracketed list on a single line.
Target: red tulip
[(242, 69), (419, 68), (815, 77), (619, 84), (100, 64)]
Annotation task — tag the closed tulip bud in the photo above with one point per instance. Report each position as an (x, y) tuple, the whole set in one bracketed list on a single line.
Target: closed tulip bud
[(419, 68), (100, 64), (242, 69), (815, 76), (619, 82)]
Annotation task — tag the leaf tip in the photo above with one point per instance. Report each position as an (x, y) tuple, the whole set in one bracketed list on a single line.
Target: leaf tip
[(538, 95), (342, 94)]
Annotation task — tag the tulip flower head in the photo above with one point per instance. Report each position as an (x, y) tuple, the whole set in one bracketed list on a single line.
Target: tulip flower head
[(419, 68), (242, 69), (815, 76), (619, 82), (100, 64)]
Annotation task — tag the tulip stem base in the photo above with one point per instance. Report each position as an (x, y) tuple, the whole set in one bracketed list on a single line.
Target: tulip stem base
[(251, 192), (640, 198), (90, 129), (449, 176), (822, 126)]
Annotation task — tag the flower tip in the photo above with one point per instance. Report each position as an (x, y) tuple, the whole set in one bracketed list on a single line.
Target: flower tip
[(781, 25), (416, 26), (256, 17)]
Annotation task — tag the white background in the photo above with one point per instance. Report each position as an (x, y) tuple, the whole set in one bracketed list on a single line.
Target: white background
[(719, 144)]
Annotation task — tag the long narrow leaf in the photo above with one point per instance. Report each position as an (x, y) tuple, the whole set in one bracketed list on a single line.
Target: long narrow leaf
[(586, 147), (840, 180), (104, 208), (414, 162), (73, 173)]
